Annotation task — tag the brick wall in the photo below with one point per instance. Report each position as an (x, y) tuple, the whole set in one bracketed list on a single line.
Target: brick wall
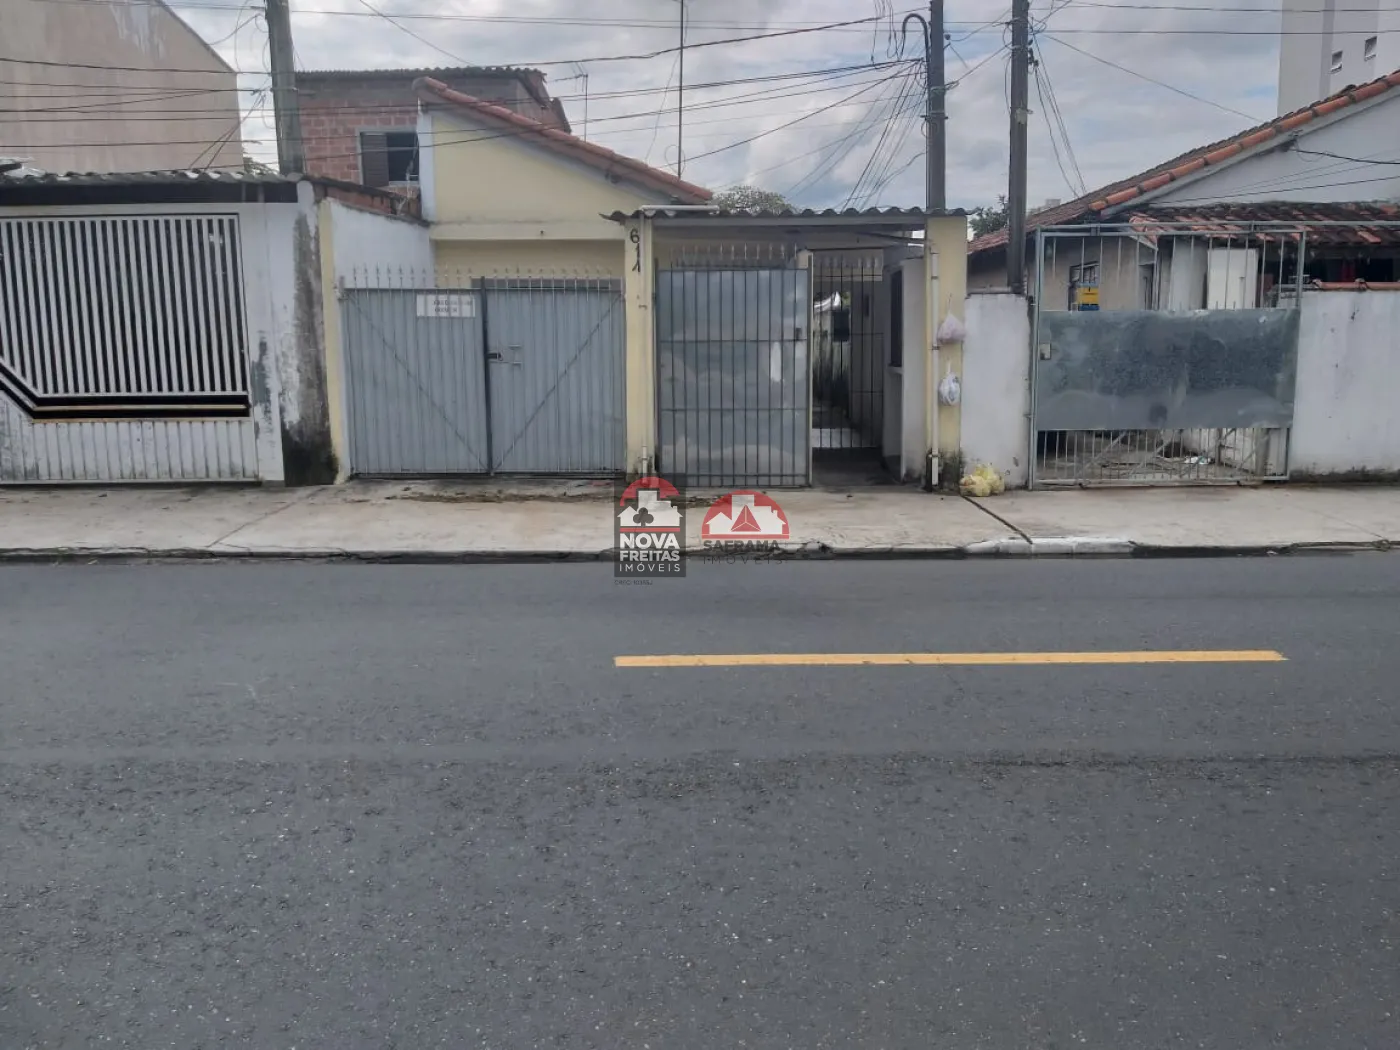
[(335, 110)]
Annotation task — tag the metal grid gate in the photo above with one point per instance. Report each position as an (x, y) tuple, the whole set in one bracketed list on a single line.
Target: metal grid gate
[(852, 302), (1164, 354), (733, 375), (504, 376)]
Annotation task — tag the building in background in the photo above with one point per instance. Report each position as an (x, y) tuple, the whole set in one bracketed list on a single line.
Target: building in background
[(116, 86), (1330, 44), (1331, 163), (360, 125)]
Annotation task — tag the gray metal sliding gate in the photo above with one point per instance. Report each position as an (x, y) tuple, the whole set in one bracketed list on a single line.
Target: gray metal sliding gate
[(522, 377), (733, 376)]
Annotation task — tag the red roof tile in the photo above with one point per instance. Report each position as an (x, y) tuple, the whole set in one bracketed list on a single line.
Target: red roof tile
[(1188, 163), (434, 92), (1332, 224)]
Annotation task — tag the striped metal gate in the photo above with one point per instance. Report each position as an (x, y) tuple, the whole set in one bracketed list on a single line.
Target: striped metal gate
[(123, 350), (516, 377)]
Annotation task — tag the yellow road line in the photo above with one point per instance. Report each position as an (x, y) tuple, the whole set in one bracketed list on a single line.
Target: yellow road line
[(1184, 656)]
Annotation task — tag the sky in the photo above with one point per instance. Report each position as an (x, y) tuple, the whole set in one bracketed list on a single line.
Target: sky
[(851, 99)]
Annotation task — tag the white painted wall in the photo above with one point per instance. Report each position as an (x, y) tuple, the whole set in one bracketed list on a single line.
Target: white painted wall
[(1345, 417), (366, 241), (188, 450), (1370, 132), (996, 400)]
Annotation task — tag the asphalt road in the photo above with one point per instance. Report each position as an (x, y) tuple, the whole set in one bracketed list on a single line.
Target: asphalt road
[(338, 806)]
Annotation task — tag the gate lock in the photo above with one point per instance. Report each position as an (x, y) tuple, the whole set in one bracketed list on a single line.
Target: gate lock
[(501, 355)]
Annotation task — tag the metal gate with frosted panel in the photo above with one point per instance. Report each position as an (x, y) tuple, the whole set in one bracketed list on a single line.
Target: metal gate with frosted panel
[(123, 350), (733, 376), (520, 377), (1163, 354)]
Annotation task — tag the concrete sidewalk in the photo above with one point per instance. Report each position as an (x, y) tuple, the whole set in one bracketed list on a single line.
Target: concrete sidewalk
[(521, 521)]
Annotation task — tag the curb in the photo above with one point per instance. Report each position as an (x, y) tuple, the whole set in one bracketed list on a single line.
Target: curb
[(1055, 547), (1049, 547)]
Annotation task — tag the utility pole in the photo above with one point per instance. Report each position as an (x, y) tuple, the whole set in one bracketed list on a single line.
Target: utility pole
[(937, 175), (1020, 119), (935, 107), (291, 155), (680, 99)]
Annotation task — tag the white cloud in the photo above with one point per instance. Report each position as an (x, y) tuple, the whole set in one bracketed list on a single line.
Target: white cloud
[(1117, 123)]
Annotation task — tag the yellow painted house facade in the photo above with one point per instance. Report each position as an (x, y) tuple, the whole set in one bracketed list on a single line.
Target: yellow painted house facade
[(506, 196)]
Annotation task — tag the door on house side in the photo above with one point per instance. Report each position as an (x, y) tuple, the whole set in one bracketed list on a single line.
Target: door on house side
[(1232, 279)]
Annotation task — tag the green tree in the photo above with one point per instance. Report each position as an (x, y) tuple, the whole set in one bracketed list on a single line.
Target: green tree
[(750, 198), (988, 220)]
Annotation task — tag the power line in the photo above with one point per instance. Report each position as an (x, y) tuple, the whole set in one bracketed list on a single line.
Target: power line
[(638, 57), (863, 125), (213, 148), (416, 36), (832, 149), (771, 94), (622, 23), (713, 24), (816, 76), (784, 126), (876, 158), (1050, 127), (539, 131), (1338, 156), (1055, 119), (882, 176), (661, 109), (1143, 76)]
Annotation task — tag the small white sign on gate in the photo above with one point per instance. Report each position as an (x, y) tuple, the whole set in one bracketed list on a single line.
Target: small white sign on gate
[(446, 306)]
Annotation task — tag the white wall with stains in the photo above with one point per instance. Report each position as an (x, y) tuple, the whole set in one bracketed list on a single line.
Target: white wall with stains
[(996, 392), (285, 351)]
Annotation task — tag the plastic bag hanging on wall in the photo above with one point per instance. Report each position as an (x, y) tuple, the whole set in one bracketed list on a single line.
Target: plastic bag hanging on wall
[(952, 330), (949, 388)]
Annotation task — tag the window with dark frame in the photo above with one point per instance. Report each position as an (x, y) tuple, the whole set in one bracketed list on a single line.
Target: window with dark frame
[(388, 157)]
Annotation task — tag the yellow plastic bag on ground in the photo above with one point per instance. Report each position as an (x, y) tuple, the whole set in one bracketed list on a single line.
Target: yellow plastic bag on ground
[(984, 481)]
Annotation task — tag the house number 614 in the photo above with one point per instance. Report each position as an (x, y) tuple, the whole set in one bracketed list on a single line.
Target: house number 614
[(636, 238)]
